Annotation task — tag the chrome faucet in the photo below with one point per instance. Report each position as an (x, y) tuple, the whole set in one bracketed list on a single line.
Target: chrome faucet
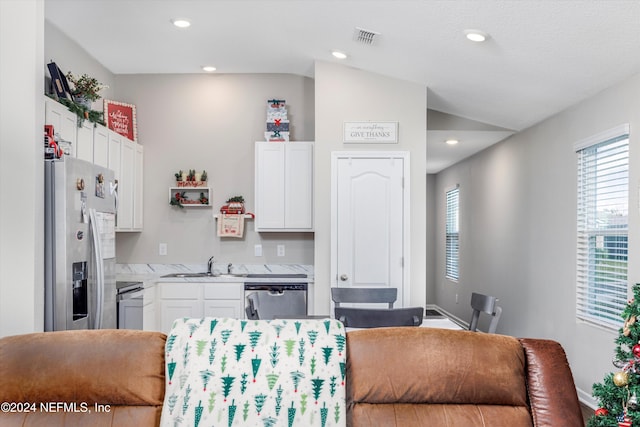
[(229, 268), (210, 267)]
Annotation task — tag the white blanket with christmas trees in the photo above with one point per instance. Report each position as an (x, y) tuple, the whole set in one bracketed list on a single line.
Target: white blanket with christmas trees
[(258, 373)]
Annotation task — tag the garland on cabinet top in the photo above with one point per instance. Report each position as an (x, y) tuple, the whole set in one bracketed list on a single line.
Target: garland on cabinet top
[(191, 178), (77, 99), (277, 122)]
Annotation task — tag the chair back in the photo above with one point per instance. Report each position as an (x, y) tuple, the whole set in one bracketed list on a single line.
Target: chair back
[(484, 304), (364, 295), (353, 317)]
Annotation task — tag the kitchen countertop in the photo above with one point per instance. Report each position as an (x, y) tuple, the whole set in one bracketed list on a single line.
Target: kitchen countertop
[(150, 274)]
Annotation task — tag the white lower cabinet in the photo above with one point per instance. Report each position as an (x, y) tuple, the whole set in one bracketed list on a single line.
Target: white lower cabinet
[(179, 299), (224, 300), (149, 312)]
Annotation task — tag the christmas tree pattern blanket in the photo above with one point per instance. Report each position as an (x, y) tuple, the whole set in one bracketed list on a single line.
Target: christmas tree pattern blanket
[(258, 373)]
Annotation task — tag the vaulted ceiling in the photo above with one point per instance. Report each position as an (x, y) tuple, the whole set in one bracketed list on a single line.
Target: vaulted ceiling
[(540, 57)]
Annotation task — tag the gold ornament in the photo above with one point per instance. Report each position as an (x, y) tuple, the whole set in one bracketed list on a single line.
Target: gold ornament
[(626, 330), (621, 379)]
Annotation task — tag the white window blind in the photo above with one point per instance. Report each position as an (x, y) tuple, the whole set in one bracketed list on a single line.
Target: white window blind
[(603, 199), (452, 233)]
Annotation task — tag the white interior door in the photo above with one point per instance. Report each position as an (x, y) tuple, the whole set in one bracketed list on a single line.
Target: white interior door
[(369, 220)]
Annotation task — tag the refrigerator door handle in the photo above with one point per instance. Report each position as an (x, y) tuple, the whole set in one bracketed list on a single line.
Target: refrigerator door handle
[(97, 252)]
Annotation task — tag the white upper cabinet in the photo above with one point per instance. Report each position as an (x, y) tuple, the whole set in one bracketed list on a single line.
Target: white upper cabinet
[(284, 186), (101, 145), (84, 141), (64, 122)]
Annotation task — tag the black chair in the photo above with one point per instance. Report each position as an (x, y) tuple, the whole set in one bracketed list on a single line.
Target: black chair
[(484, 304), (353, 317), (364, 295)]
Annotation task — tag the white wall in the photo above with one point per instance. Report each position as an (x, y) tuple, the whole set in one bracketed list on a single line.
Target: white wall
[(208, 122), (21, 167), (205, 122), (518, 229), (71, 57), (348, 94)]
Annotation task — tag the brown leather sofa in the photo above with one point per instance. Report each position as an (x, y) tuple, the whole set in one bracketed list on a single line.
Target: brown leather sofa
[(395, 377)]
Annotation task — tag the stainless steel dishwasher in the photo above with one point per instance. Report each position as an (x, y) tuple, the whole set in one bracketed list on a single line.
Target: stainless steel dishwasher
[(269, 300), (129, 305)]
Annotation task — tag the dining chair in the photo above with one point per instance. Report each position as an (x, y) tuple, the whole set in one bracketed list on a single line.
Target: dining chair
[(484, 304), (355, 317), (364, 295)]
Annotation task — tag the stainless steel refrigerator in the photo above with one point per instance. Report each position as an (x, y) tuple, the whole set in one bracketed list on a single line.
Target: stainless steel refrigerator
[(80, 259)]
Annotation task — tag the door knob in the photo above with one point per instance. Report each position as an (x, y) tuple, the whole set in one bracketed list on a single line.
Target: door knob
[(344, 277)]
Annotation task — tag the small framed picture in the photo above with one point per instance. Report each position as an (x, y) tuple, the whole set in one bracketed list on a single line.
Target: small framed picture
[(121, 118), (59, 81)]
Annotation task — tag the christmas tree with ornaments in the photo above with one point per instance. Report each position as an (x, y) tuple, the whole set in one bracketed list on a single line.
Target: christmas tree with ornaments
[(619, 394)]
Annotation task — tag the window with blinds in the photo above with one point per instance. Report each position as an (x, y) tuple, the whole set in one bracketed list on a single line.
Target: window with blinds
[(452, 233), (603, 201)]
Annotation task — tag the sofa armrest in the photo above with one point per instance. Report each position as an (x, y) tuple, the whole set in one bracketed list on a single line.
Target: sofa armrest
[(552, 392)]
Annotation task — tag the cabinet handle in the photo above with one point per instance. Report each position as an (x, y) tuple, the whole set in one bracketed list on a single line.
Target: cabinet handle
[(344, 277)]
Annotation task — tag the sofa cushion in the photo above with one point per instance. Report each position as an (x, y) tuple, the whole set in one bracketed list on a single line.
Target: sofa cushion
[(224, 371), (464, 377), (121, 371)]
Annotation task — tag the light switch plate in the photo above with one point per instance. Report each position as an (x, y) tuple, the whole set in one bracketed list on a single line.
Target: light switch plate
[(257, 250)]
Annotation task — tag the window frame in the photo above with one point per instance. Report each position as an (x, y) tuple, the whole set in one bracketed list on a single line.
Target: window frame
[(452, 236), (602, 237)]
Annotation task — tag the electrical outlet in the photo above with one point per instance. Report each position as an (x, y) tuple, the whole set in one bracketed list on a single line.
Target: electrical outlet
[(162, 249), (257, 250), (456, 298), (280, 249)]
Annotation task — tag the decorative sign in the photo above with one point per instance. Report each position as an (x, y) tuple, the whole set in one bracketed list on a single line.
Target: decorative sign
[(121, 118), (371, 132)]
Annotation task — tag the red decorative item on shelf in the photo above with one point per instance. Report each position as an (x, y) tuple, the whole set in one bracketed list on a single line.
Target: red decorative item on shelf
[(602, 411), (232, 208)]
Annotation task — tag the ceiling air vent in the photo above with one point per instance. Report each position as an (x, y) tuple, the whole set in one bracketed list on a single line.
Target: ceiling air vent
[(365, 36)]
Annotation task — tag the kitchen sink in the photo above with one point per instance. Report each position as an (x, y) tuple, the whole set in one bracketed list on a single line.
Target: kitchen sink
[(186, 275), (193, 275)]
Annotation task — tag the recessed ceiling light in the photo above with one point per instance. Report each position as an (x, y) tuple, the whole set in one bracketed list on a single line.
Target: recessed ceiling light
[(476, 35), (451, 141), (181, 23), (339, 55), (208, 68)]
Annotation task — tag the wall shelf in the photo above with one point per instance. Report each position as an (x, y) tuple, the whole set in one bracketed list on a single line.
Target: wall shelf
[(248, 215), (193, 195)]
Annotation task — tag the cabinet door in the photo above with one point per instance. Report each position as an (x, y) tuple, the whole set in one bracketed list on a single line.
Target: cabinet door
[(149, 311), (298, 203), (284, 186), (101, 146), (125, 185), (115, 149), (223, 308), (172, 309), (269, 186), (64, 122), (84, 140), (138, 199)]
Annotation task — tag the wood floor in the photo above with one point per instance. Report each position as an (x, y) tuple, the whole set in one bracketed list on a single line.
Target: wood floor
[(586, 412)]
